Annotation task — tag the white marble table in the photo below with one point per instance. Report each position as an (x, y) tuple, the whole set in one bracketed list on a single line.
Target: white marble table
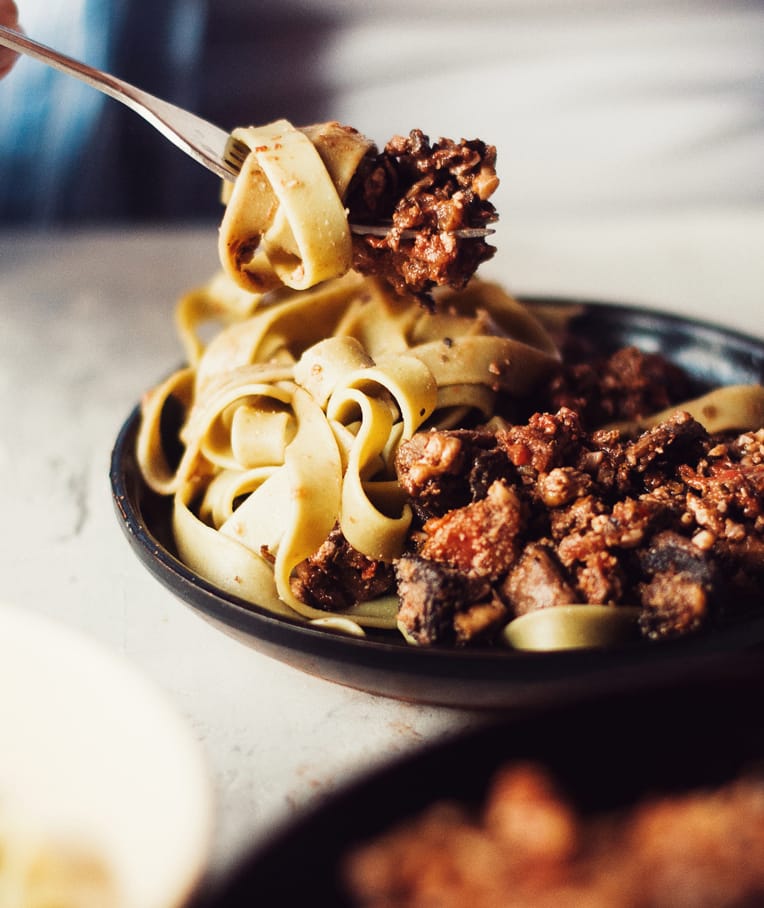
[(86, 326)]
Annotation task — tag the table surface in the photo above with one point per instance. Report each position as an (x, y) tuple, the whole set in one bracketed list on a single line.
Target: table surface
[(87, 327)]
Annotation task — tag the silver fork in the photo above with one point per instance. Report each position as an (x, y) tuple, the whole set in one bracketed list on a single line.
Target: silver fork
[(206, 143)]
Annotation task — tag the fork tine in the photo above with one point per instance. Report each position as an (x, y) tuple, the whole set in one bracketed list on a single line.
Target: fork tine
[(235, 153)]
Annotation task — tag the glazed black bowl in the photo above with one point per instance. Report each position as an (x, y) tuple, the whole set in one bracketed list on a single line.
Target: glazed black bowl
[(470, 678), (607, 754)]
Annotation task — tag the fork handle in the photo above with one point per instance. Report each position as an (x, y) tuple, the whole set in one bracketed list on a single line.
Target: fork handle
[(202, 141)]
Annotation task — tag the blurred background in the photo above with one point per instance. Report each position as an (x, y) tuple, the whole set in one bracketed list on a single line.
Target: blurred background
[(631, 152), (595, 106)]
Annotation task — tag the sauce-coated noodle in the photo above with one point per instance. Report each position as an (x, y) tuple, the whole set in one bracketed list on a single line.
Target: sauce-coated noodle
[(285, 221)]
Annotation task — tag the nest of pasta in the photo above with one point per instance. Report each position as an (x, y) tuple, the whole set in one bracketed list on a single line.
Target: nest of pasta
[(293, 413), (350, 459)]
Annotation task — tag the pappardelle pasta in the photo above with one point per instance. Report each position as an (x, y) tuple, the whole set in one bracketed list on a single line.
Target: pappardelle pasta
[(285, 220), (293, 414), (307, 484)]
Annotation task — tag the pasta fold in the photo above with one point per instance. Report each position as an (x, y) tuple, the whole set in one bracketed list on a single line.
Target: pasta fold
[(285, 220)]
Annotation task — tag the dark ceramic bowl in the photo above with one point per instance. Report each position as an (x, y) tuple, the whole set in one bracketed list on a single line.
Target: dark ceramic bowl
[(469, 678), (606, 754)]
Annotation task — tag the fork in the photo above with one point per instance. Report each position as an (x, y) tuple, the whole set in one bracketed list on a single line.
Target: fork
[(214, 148)]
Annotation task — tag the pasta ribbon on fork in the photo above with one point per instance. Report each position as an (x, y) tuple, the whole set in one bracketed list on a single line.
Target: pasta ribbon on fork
[(285, 220)]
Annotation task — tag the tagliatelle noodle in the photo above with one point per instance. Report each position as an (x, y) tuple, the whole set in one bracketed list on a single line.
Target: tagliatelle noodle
[(286, 327), (159, 475), (731, 407), (291, 417), (413, 391), (221, 301), (456, 401), (285, 220), (222, 561)]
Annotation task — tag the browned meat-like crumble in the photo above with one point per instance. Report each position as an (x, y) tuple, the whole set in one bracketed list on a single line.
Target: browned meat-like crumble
[(548, 512), (672, 521), (434, 190), (625, 385), (338, 576), (528, 846)]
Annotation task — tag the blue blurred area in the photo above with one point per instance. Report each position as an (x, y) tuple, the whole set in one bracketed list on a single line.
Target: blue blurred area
[(45, 119)]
